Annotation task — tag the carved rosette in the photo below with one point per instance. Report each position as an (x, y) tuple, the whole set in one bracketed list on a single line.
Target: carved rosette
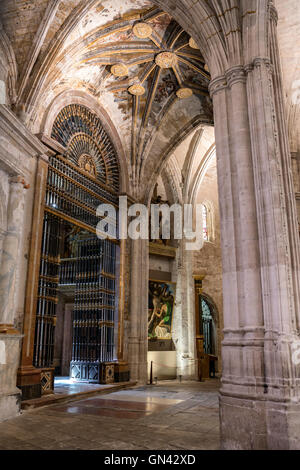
[(142, 30), (119, 70), (136, 90), (166, 60), (184, 93)]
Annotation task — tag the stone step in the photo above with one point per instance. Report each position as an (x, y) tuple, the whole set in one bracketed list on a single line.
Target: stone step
[(54, 398)]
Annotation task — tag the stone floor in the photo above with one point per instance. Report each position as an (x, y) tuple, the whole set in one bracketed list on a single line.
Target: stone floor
[(167, 416), (65, 386)]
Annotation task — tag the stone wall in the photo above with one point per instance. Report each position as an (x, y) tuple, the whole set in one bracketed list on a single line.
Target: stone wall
[(209, 260), (19, 151)]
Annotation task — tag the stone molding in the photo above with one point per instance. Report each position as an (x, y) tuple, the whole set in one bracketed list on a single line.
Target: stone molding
[(238, 74), (235, 75), (22, 141)]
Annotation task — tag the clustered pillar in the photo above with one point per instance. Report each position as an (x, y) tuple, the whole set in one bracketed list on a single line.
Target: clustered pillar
[(259, 398), (138, 338)]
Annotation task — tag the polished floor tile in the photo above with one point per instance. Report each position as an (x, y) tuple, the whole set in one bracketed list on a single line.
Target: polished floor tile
[(169, 415), (65, 386)]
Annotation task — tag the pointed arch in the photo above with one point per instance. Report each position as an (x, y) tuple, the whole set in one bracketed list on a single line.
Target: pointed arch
[(70, 97)]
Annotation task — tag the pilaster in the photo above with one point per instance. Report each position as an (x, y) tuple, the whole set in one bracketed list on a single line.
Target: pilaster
[(138, 339)]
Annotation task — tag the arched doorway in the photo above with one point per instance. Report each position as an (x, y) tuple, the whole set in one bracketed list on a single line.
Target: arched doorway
[(75, 264), (208, 316)]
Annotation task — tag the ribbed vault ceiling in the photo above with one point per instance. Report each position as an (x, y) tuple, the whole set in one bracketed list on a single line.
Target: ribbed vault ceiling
[(130, 56)]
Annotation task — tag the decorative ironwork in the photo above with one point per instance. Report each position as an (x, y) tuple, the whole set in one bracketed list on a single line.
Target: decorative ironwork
[(74, 194), (78, 182), (47, 293), (94, 309), (207, 322), (81, 132)]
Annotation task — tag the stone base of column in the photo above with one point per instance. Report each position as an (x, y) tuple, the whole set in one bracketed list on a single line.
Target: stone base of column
[(122, 373), (137, 353), (10, 396), (29, 381), (259, 425), (187, 369), (138, 372), (10, 405)]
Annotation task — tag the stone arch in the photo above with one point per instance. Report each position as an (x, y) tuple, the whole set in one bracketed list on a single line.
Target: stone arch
[(215, 310), (8, 55), (164, 153), (216, 320), (81, 98), (170, 173), (210, 213), (201, 171), (200, 21)]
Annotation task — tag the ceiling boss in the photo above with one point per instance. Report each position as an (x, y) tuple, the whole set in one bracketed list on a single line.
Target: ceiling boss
[(150, 64), (142, 30), (176, 53), (166, 60)]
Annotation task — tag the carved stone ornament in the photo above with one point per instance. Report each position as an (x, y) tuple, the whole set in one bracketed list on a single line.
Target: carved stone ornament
[(193, 44), (136, 90), (166, 60), (86, 164), (142, 30), (119, 70), (183, 93)]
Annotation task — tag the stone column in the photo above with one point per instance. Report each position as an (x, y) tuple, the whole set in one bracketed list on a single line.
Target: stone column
[(9, 337), (138, 340), (259, 398), (29, 380), (184, 332), (10, 250), (242, 352)]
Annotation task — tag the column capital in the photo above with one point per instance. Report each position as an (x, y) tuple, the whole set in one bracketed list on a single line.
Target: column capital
[(217, 84), (238, 74), (235, 75), (259, 62)]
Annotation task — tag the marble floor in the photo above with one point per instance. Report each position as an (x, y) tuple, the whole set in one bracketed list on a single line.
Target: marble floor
[(66, 386), (166, 416)]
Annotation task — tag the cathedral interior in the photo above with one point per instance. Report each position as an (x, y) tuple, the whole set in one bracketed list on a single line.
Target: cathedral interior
[(140, 342)]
